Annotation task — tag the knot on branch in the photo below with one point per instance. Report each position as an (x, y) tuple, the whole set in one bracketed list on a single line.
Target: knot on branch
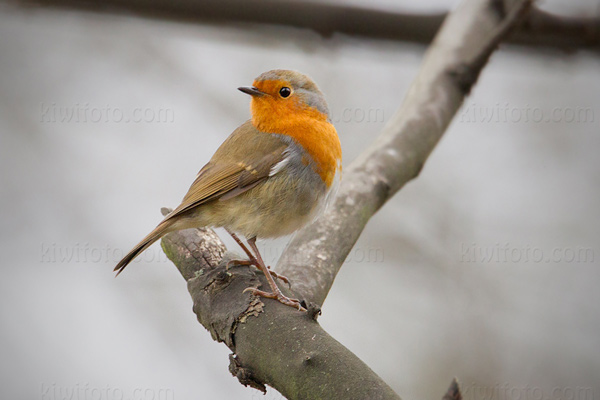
[(312, 310), (464, 77), (499, 8), (244, 375)]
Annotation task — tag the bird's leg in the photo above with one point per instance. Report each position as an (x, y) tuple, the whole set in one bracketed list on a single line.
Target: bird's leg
[(252, 260), (242, 245), (276, 293)]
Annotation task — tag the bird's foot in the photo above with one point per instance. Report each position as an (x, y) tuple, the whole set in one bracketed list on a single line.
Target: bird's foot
[(280, 277), (253, 259), (255, 263), (231, 263), (280, 297)]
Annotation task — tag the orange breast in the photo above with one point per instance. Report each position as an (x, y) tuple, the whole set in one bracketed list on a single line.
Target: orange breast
[(307, 126)]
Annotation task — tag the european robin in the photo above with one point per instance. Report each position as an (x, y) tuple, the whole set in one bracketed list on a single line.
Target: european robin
[(269, 178)]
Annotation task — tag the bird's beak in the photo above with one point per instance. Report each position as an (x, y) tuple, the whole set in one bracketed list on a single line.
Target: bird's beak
[(252, 91)]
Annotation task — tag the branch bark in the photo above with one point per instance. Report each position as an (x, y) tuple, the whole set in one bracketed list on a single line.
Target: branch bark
[(286, 349), (276, 345), (539, 29), (283, 348)]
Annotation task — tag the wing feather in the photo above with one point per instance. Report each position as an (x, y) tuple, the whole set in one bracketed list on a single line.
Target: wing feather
[(224, 180)]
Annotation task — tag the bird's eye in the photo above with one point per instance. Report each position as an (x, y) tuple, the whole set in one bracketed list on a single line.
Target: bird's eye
[(285, 92)]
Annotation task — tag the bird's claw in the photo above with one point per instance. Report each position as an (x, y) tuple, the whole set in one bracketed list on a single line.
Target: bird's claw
[(280, 277), (230, 263), (280, 297)]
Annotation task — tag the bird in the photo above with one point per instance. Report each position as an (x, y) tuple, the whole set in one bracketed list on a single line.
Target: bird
[(273, 175)]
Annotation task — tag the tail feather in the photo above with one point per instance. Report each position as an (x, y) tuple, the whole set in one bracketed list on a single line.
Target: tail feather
[(158, 232)]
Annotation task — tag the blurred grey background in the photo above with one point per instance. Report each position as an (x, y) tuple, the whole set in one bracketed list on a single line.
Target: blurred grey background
[(485, 268)]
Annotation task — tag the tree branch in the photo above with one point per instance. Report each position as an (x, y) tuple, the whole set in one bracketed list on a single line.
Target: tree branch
[(451, 67), (277, 345), (283, 348), (539, 29)]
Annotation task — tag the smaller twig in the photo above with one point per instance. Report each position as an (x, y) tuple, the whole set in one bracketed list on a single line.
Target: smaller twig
[(453, 392), (541, 29)]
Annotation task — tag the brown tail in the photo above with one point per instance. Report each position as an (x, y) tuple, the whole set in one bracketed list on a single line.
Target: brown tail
[(158, 232)]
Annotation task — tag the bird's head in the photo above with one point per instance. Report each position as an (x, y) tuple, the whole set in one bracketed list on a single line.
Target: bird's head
[(282, 99)]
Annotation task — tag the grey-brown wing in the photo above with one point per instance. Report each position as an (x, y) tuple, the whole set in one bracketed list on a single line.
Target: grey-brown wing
[(224, 180)]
